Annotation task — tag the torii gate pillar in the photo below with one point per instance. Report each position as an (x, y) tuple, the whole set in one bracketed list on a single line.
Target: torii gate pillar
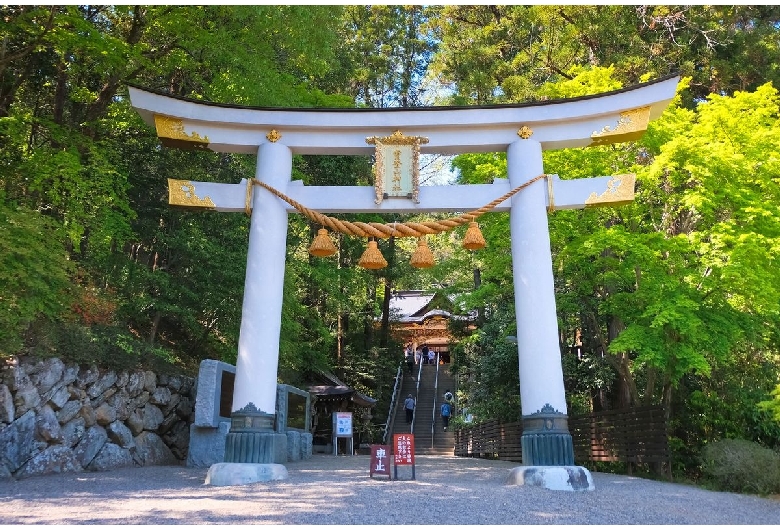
[(254, 392), (546, 440)]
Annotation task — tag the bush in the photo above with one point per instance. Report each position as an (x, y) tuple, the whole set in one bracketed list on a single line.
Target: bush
[(742, 466), (107, 346)]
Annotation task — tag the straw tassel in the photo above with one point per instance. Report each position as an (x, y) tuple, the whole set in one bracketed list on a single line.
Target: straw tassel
[(473, 239), (422, 257), (322, 246), (372, 258)]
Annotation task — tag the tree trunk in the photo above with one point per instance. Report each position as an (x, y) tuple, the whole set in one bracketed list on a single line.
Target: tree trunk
[(155, 325)]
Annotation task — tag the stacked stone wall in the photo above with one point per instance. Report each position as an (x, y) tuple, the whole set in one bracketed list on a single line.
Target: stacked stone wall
[(57, 417)]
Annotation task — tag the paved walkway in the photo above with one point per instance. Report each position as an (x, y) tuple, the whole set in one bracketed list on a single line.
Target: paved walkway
[(337, 490)]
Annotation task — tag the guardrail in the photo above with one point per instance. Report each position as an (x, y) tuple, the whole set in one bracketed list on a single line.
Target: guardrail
[(399, 376), (416, 395), (631, 436), (435, 393)]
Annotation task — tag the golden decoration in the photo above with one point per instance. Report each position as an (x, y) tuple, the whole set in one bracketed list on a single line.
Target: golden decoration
[(379, 181), (422, 257), (171, 133), (273, 136), (620, 190), (631, 126), (372, 257), (182, 193), (322, 246), (248, 199), (396, 139), (473, 240), (525, 132), (551, 203)]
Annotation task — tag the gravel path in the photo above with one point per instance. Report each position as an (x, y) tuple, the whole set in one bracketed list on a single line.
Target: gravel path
[(337, 490)]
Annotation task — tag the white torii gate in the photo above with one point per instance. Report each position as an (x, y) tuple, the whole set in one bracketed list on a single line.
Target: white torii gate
[(522, 131)]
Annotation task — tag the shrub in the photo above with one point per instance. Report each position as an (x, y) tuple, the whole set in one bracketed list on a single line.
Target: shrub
[(742, 466)]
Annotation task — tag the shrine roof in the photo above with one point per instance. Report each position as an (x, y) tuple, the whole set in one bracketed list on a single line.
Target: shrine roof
[(409, 303), (415, 306), (338, 393), (338, 390)]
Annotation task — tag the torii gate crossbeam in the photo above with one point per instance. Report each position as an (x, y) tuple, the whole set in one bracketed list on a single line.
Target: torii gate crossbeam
[(522, 131)]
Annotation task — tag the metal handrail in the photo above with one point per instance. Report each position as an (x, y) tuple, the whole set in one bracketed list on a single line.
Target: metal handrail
[(390, 414), (435, 393), (416, 394)]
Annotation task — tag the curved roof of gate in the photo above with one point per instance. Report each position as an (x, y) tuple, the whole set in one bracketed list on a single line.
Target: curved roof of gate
[(610, 117)]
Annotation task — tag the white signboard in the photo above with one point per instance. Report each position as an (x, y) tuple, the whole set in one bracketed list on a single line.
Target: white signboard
[(342, 428), (342, 424)]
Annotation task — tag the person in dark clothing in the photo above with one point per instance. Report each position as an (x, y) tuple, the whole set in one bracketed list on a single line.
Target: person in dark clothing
[(409, 408), (425, 353), (410, 359)]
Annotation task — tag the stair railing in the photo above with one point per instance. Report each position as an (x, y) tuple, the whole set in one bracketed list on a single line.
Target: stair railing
[(416, 394), (399, 375), (435, 393)]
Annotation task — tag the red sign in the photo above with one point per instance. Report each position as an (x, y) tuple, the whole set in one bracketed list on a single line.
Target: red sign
[(404, 449), (380, 460)]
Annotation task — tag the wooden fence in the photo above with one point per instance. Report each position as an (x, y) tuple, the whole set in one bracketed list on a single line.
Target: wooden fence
[(632, 436)]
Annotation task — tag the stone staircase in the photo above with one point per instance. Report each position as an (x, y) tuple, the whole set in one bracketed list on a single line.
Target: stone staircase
[(427, 441)]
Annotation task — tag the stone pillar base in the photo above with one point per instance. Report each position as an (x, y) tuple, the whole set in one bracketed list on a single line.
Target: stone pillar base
[(233, 474), (547, 449), (260, 447), (559, 478), (546, 440)]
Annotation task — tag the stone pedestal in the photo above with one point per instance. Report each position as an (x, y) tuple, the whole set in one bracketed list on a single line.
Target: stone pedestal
[(306, 445), (207, 445), (293, 446), (229, 474), (560, 478)]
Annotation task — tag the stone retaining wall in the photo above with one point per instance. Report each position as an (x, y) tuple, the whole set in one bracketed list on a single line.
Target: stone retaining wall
[(56, 417)]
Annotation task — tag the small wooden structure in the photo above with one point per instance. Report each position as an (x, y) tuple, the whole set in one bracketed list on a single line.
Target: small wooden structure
[(333, 395)]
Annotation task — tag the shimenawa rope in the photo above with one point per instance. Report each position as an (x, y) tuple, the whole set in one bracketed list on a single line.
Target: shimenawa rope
[(381, 230)]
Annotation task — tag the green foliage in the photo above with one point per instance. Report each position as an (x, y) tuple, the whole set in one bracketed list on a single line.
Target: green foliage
[(503, 53), (34, 273), (106, 346), (742, 466), (772, 405), (487, 364)]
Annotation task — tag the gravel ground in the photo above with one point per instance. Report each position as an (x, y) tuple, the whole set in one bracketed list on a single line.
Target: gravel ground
[(337, 490)]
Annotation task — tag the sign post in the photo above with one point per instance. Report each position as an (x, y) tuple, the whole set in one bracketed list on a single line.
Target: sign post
[(403, 445), (342, 428)]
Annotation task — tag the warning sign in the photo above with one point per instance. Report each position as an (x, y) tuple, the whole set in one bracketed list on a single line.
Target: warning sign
[(403, 449), (380, 461)]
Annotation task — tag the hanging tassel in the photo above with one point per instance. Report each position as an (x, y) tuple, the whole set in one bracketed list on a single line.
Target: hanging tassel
[(473, 239), (322, 246), (372, 258), (422, 257)]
